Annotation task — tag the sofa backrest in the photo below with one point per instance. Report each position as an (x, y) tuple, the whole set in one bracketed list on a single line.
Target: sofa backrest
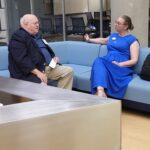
[(4, 61), (83, 53), (60, 49), (143, 53), (103, 50), (75, 52)]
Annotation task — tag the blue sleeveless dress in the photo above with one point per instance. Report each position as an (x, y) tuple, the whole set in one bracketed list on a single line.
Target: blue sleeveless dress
[(104, 73)]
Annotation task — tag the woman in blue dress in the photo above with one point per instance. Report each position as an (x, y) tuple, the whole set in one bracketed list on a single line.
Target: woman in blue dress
[(112, 73)]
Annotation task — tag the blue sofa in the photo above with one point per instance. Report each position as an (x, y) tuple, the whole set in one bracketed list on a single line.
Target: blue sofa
[(80, 56), (4, 61)]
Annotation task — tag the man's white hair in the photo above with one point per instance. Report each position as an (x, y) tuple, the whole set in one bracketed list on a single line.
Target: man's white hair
[(25, 19)]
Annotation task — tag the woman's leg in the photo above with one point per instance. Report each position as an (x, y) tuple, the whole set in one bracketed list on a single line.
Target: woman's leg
[(98, 78)]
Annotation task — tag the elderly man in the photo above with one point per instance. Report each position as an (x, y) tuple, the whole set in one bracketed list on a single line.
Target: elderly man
[(31, 59)]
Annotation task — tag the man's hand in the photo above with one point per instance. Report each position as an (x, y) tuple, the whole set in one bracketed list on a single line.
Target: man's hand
[(56, 59), (41, 75)]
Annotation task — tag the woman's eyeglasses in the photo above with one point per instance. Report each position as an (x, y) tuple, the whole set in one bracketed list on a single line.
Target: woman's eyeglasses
[(119, 23)]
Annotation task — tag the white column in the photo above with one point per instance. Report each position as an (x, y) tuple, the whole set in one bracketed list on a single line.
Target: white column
[(32, 6), (138, 10)]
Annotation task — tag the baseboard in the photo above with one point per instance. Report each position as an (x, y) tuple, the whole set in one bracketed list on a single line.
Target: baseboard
[(136, 105)]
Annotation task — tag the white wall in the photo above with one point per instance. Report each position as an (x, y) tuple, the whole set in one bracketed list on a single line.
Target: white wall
[(71, 6), (138, 10), (78, 6)]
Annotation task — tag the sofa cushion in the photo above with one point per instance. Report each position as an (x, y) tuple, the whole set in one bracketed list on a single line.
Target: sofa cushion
[(4, 73), (138, 90), (83, 81), (76, 52), (103, 51), (3, 58), (4, 61), (82, 53), (60, 49), (143, 53), (80, 70)]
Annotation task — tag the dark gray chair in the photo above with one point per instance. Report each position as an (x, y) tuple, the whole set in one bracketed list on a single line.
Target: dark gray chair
[(106, 28), (89, 18), (46, 25), (59, 26), (78, 25)]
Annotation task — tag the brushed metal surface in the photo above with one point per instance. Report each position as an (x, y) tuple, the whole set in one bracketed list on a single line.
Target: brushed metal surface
[(60, 125), (56, 119), (33, 91), (21, 111)]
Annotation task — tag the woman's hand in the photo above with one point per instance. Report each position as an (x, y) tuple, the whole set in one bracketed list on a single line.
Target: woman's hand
[(117, 63), (86, 37), (96, 40)]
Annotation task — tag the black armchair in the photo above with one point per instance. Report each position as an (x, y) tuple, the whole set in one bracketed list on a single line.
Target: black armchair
[(78, 25), (106, 28), (89, 18), (59, 26), (46, 25)]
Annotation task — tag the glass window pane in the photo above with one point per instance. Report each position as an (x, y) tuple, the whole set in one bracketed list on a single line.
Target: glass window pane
[(3, 30), (83, 17), (50, 27)]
